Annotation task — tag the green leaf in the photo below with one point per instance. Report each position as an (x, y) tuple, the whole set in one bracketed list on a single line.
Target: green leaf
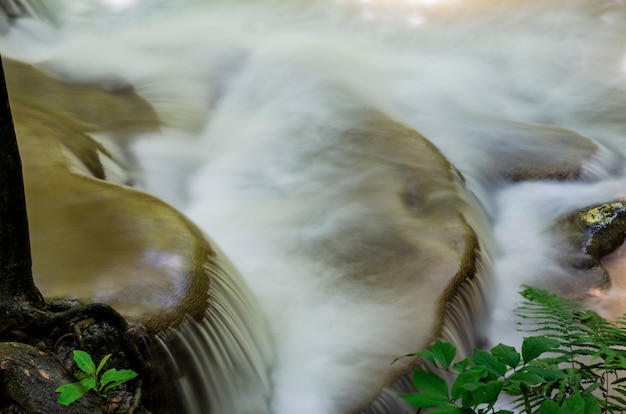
[(547, 374), (480, 393), (430, 383), (488, 393), (534, 346), (591, 388), (549, 407), (88, 383), (70, 393), (506, 354), (425, 400), (527, 378), (428, 354), (472, 386), (450, 409), (114, 378), (80, 375), (84, 362), (462, 365), (592, 406), (466, 377), (574, 404), (444, 352), (101, 364), (490, 362)]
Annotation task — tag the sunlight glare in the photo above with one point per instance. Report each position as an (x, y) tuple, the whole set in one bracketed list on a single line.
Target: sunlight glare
[(119, 5)]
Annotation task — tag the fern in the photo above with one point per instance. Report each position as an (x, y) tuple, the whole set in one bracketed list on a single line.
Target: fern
[(579, 333), (572, 362)]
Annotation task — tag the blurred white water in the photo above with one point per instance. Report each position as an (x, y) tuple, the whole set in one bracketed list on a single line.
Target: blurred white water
[(252, 91)]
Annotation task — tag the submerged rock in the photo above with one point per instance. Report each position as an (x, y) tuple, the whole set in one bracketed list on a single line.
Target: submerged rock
[(540, 152)]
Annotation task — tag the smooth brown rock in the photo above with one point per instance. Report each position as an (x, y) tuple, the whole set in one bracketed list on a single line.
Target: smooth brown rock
[(530, 152), (92, 240), (417, 239)]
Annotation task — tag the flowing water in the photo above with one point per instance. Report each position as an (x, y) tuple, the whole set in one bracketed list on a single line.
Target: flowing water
[(526, 99)]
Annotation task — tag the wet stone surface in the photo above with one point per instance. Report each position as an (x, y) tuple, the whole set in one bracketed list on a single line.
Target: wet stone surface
[(592, 233), (599, 230)]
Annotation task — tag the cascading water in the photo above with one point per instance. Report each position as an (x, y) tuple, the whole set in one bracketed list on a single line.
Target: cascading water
[(289, 137)]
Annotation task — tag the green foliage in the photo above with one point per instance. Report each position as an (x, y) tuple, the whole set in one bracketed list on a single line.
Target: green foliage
[(89, 378), (571, 364)]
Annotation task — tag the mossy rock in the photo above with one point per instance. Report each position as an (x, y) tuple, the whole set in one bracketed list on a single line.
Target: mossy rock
[(589, 235), (596, 231)]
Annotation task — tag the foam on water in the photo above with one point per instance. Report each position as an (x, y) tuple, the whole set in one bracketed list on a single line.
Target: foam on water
[(254, 97)]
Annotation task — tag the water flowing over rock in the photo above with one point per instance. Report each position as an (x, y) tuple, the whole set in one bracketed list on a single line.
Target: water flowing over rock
[(376, 175), (95, 241)]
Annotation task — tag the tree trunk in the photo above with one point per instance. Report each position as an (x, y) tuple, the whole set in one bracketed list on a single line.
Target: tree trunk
[(19, 297)]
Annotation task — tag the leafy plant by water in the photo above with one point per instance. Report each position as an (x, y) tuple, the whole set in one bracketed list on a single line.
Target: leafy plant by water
[(89, 379), (572, 363)]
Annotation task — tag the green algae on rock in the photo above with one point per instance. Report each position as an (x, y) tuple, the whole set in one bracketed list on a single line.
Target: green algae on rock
[(598, 230)]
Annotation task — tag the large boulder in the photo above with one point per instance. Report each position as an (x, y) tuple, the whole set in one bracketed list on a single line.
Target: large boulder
[(423, 245), (93, 240), (96, 240)]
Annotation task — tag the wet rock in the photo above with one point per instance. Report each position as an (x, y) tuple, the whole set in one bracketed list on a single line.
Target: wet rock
[(590, 234), (601, 229), (93, 240), (521, 151), (119, 109), (596, 231), (416, 239)]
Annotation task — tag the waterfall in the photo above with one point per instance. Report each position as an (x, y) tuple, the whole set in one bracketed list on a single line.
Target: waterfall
[(379, 173), (221, 362)]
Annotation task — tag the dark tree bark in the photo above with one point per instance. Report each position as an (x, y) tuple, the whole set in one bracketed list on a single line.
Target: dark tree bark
[(20, 300), (31, 377)]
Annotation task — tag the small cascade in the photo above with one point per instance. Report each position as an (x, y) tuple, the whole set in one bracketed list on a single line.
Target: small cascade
[(159, 271), (465, 306), (221, 363), (15, 9), (468, 303), (464, 325)]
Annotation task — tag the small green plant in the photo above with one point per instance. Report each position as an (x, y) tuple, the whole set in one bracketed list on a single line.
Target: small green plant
[(89, 378), (579, 375)]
